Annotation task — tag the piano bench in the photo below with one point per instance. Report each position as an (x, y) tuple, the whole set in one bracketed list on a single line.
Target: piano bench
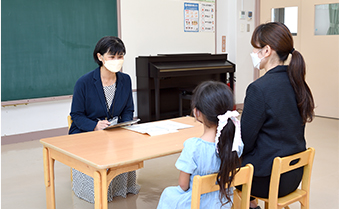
[(183, 95)]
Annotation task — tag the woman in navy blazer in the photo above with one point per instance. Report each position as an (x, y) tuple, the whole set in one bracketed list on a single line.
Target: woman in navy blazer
[(276, 108), (101, 97), (89, 103)]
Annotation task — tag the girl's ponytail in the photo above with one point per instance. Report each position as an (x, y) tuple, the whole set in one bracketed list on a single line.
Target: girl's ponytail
[(230, 162)]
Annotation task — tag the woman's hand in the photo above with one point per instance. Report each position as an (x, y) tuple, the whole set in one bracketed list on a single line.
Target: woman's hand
[(101, 125)]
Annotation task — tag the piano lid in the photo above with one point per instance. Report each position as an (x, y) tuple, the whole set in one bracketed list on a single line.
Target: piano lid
[(197, 65), (183, 64)]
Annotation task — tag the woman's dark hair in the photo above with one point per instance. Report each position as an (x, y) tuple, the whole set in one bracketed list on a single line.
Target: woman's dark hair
[(108, 44), (279, 38), (213, 98)]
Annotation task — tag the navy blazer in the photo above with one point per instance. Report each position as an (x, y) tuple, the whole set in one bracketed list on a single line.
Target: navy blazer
[(89, 102), (271, 124)]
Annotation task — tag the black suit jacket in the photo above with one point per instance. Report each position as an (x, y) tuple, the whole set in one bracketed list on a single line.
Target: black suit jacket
[(271, 124)]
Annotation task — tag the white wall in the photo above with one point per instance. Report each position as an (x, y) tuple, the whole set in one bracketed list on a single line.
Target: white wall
[(34, 117), (245, 69), (238, 45), (136, 28), (152, 27)]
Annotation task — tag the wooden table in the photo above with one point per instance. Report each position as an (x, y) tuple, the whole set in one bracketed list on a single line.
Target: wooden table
[(108, 153)]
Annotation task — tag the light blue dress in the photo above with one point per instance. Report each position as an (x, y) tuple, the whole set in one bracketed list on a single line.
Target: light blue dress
[(198, 157)]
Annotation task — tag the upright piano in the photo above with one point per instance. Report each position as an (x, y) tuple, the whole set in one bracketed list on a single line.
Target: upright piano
[(163, 79)]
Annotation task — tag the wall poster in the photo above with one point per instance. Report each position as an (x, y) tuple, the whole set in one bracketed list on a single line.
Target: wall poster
[(191, 14), (207, 17)]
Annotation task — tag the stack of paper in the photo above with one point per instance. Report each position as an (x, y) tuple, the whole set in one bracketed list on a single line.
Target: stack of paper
[(158, 128)]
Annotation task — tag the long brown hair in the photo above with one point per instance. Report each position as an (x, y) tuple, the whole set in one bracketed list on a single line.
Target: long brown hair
[(214, 98), (279, 38)]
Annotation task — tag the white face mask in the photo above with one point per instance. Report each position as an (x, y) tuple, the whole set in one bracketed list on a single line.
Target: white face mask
[(114, 65), (256, 60)]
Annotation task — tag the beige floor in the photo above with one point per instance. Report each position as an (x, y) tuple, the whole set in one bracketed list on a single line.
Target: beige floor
[(22, 183)]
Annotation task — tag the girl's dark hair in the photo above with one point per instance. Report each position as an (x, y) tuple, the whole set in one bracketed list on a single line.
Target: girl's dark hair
[(213, 98), (110, 44), (279, 38)]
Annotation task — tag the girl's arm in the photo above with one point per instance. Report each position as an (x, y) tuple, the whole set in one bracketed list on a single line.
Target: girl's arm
[(184, 180)]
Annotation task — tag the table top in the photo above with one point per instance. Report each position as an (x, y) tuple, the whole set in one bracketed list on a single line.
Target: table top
[(116, 147)]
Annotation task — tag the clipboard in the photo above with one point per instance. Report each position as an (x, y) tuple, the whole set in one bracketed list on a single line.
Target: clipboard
[(126, 123)]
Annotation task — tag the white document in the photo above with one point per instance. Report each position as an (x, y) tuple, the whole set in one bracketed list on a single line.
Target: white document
[(158, 128)]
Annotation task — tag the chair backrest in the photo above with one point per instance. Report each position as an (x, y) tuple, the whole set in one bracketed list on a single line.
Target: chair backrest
[(206, 184), (283, 165), (69, 120)]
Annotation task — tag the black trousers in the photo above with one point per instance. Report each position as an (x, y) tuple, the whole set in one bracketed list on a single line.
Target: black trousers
[(288, 183)]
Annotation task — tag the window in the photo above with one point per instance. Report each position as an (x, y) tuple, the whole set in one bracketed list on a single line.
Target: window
[(288, 16), (326, 19)]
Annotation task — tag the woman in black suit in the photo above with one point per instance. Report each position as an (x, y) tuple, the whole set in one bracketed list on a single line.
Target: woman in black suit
[(276, 108)]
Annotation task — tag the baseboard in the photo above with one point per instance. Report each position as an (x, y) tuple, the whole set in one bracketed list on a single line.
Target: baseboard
[(33, 136)]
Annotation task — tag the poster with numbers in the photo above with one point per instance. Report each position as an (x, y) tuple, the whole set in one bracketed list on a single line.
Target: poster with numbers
[(191, 14), (207, 17)]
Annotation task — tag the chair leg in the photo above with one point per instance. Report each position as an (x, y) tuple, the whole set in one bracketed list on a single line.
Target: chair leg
[(305, 204), (266, 205)]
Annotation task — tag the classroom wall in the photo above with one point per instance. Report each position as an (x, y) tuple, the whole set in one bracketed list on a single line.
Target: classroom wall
[(154, 27), (245, 69), (238, 38), (320, 52), (52, 115)]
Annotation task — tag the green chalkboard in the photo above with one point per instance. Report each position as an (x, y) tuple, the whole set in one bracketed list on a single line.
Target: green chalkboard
[(46, 45)]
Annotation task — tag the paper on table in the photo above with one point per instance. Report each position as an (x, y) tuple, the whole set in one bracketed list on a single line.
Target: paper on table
[(158, 128)]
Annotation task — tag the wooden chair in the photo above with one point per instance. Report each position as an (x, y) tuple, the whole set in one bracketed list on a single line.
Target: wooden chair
[(282, 165), (206, 184), (69, 120)]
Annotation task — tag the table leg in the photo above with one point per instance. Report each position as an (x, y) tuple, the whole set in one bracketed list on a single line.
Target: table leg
[(97, 190), (49, 178), (100, 189), (104, 188)]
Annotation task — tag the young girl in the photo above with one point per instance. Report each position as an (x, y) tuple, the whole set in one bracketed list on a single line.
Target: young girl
[(213, 152)]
